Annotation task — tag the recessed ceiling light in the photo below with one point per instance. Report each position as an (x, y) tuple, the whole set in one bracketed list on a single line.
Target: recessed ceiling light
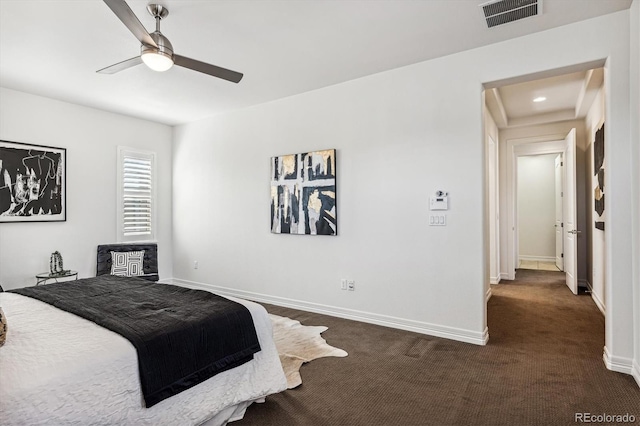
[(540, 99)]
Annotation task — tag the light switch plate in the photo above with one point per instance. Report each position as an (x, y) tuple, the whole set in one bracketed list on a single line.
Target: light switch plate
[(439, 219)]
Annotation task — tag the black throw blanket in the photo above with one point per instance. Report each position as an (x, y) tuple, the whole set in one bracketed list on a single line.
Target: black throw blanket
[(182, 336)]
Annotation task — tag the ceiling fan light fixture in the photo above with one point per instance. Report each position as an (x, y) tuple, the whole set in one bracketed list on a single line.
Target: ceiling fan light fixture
[(157, 61), (158, 58)]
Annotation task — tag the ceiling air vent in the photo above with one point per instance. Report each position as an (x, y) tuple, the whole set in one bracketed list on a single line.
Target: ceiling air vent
[(498, 12)]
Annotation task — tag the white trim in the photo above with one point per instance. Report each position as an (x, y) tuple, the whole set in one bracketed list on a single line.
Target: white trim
[(462, 335), (596, 299), (488, 295), (635, 372), (538, 258), (617, 363), (503, 113), (503, 276), (495, 280), (599, 303), (492, 192)]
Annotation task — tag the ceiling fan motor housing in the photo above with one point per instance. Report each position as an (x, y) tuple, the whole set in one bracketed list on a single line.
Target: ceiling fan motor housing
[(165, 48)]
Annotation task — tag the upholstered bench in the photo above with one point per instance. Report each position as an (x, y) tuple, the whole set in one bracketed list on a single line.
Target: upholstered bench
[(150, 260)]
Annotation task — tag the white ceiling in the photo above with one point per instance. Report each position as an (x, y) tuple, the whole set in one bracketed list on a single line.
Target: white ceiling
[(568, 96), (284, 47)]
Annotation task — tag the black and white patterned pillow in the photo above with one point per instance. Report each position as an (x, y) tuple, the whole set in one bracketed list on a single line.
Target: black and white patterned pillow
[(127, 263)]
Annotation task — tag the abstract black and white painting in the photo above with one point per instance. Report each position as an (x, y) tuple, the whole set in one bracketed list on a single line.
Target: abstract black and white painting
[(32, 183), (303, 193), (598, 173)]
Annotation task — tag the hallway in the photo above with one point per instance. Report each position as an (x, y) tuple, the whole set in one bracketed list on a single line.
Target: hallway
[(556, 339)]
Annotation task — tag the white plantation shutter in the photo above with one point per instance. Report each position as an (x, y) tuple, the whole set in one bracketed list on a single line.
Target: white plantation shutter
[(136, 195)]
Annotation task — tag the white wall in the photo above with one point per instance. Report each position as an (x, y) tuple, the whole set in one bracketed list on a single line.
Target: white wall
[(621, 192), (390, 141), (539, 134), (400, 136), (635, 138), (596, 276), (90, 137), (536, 207)]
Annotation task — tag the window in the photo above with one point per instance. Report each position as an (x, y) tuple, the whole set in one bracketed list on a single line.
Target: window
[(136, 195)]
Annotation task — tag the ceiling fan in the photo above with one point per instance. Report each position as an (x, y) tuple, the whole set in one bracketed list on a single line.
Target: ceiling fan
[(156, 50)]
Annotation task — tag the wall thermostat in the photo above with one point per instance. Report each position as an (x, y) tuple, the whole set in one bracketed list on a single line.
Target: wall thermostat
[(440, 201)]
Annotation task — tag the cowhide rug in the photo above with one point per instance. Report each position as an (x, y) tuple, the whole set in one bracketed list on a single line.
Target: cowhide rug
[(298, 344)]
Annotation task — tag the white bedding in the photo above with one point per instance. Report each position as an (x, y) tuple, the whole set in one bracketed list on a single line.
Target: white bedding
[(58, 368)]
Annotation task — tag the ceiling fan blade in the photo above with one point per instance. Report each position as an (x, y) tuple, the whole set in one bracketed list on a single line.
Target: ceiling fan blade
[(112, 69), (205, 68), (130, 20)]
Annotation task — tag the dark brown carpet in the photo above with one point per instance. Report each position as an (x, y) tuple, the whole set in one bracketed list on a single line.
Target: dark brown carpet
[(542, 365)]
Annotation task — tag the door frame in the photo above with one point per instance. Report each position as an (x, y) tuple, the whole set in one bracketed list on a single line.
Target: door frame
[(493, 201), (539, 145), (559, 178)]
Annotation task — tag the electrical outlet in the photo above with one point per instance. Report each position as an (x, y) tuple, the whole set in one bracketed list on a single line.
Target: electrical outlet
[(195, 264), (343, 284), (351, 285)]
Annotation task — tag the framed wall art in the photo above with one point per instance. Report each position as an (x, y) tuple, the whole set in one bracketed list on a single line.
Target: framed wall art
[(598, 173), (303, 193), (32, 183)]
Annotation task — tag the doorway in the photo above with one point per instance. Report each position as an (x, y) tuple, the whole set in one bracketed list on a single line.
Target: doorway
[(517, 113), (539, 209), (523, 130), (541, 146)]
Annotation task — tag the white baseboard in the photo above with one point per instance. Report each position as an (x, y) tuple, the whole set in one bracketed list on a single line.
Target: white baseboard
[(635, 372), (505, 276), (596, 299), (538, 258), (495, 280), (462, 335), (488, 295), (618, 363)]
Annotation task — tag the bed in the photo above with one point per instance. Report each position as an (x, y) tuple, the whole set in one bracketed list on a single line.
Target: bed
[(59, 368)]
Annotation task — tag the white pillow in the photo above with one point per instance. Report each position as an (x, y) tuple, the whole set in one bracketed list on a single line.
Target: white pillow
[(127, 263)]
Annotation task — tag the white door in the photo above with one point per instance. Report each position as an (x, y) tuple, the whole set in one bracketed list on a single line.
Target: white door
[(570, 222), (558, 223)]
